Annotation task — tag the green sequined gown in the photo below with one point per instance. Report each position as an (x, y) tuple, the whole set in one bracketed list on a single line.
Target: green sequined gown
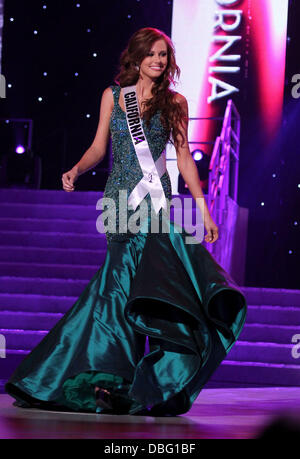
[(151, 288)]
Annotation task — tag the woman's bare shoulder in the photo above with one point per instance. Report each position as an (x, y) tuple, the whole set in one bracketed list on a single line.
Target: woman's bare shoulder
[(108, 96), (108, 92)]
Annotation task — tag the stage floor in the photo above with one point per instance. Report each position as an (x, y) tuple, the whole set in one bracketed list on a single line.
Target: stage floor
[(217, 413)]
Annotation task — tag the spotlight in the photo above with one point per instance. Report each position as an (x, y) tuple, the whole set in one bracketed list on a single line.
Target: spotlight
[(202, 161), (197, 155), (20, 150), (22, 169)]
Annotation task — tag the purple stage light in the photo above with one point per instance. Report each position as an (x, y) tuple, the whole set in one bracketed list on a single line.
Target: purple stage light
[(197, 155), (20, 149)]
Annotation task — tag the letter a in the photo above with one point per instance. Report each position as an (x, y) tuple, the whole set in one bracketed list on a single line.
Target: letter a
[(228, 89)]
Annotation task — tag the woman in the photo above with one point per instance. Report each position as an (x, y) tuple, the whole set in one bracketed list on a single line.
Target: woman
[(151, 284)]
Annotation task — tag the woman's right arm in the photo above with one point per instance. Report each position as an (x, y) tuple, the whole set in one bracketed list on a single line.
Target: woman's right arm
[(96, 152)]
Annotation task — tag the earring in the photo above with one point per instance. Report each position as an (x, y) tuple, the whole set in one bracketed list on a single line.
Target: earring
[(137, 67)]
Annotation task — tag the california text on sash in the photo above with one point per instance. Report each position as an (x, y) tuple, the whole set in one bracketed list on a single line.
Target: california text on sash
[(134, 120)]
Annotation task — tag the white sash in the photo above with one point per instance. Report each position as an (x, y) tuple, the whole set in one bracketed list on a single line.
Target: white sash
[(150, 183)]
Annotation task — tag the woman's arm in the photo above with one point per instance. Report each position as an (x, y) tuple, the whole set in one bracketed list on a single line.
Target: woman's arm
[(96, 152), (188, 169)]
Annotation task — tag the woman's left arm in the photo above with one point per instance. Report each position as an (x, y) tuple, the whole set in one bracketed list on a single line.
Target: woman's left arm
[(188, 169)]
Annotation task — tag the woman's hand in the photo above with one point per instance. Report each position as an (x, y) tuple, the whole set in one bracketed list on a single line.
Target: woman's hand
[(212, 230), (68, 180)]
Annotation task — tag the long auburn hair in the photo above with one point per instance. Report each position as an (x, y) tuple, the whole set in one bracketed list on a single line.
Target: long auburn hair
[(139, 45)]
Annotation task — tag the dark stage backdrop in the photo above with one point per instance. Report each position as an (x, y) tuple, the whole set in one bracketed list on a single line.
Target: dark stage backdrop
[(68, 54)]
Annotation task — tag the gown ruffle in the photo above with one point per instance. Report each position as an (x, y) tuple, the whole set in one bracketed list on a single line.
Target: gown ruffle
[(152, 326)]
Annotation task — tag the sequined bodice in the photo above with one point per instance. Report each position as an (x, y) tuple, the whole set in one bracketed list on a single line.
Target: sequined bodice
[(126, 171)]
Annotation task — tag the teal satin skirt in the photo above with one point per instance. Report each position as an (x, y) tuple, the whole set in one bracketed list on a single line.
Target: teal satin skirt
[(152, 325)]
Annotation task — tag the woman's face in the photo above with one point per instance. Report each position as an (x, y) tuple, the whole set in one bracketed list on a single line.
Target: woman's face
[(155, 63)]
